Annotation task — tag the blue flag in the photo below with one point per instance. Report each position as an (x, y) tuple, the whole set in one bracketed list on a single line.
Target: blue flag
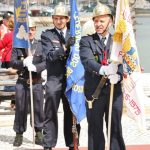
[(75, 70), (21, 29)]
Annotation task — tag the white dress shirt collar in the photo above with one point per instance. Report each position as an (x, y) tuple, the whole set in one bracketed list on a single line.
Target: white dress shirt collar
[(107, 36), (64, 31)]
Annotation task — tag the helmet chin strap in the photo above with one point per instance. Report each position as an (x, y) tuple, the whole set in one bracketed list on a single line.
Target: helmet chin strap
[(106, 29)]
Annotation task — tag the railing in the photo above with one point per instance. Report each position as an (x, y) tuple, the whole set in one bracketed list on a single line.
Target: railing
[(7, 79)]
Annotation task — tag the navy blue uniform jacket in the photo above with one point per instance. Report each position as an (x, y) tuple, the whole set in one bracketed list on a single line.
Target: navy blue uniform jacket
[(19, 54), (91, 56), (55, 55)]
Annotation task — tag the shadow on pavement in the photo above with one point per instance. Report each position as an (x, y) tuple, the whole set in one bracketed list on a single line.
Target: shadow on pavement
[(10, 139), (128, 147)]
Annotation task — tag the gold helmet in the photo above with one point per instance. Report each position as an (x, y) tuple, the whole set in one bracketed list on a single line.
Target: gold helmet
[(61, 10), (31, 23), (100, 10)]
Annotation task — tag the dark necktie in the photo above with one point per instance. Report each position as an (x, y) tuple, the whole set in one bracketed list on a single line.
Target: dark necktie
[(62, 37), (33, 47), (104, 61), (103, 42)]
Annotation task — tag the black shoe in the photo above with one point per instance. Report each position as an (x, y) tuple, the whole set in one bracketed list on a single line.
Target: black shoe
[(38, 138), (47, 148), (72, 148), (18, 140)]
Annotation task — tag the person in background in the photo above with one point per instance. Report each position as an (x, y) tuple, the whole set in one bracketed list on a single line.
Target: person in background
[(4, 23), (7, 39), (94, 53), (36, 64), (3, 31), (6, 48), (56, 43), (8, 15)]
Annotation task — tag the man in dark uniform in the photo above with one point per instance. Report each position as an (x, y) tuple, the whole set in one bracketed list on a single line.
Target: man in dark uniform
[(56, 43), (36, 64), (94, 53)]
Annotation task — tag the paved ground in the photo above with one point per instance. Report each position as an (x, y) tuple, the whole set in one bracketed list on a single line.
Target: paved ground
[(131, 133)]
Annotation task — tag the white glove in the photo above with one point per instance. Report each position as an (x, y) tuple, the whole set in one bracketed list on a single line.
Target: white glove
[(114, 79), (32, 67), (28, 60), (44, 75), (109, 70)]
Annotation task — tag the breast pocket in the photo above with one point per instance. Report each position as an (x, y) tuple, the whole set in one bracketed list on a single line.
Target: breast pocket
[(37, 58), (97, 57), (56, 45), (20, 57)]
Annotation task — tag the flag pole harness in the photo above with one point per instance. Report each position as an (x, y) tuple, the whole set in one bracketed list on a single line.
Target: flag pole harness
[(96, 93)]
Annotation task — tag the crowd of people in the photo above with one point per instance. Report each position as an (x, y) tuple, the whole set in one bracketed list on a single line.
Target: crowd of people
[(47, 61)]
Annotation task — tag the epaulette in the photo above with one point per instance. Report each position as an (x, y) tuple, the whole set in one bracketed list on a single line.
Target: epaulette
[(39, 40), (47, 30)]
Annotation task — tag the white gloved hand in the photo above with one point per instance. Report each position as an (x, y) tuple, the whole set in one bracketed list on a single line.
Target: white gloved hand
[(32, 67), (28, 60), (44, 75), (109, 70), (114, 79)]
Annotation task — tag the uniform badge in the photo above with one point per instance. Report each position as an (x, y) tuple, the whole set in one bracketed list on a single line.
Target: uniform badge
[(55, 41)]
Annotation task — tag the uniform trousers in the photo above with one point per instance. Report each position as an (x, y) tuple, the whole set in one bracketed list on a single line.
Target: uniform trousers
[(54, 93), (95, 117), (22, 99)]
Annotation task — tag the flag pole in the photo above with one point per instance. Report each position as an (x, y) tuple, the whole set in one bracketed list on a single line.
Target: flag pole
[(110, 115), (21, 40), (32, 105), (31, 87), (74, 120), (75, 133)]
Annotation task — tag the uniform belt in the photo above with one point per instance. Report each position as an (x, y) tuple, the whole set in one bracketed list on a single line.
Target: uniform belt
[(97, 92), (99, 87), (34, 80)]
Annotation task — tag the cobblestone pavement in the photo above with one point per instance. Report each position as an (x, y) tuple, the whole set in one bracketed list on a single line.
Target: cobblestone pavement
[(131, 133)]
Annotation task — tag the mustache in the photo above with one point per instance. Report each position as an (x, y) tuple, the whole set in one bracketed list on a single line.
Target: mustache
[(97, 27)]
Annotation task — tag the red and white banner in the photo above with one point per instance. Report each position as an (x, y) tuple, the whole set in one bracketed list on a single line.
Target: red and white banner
[(124, 50)]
